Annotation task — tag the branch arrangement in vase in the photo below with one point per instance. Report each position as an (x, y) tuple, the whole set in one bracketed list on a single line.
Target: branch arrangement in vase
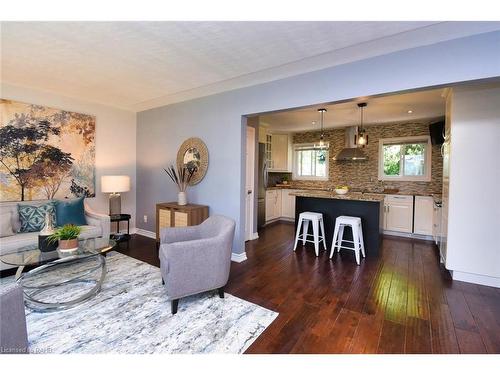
[(181, 176)]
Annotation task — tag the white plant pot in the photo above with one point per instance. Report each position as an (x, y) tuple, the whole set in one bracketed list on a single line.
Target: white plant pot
[(181, 198)]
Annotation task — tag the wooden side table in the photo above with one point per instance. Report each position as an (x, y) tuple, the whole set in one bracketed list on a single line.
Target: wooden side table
[(117, 219), (172, 215)]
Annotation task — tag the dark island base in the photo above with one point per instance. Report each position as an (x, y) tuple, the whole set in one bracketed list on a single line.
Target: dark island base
[(370, 212)]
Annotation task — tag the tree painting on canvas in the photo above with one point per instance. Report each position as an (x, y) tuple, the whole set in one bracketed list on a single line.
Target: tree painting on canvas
[(45, 153)]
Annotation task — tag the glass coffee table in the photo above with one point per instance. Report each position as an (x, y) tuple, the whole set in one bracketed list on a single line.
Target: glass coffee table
[(60, 280)]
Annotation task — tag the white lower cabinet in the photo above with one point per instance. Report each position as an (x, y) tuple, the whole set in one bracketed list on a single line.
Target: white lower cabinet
[(408, 214), (280, 204), (288, 204), (273, 204), (424, 214), (398, 213), (436, 224)]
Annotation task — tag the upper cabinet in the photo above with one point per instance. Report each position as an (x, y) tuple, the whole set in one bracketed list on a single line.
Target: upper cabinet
[(278, 152)]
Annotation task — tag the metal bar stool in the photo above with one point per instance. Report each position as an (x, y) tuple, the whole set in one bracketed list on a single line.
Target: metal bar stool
[(357, 234), (317, 223)]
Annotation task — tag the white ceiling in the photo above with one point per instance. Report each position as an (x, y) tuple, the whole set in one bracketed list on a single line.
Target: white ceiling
[(140, 65), (384, 109)]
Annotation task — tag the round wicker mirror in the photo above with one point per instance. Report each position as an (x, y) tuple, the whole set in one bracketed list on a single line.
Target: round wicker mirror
[(193, 154)]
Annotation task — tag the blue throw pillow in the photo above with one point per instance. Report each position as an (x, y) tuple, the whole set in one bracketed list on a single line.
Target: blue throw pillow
[(70, 212), (32, 218)]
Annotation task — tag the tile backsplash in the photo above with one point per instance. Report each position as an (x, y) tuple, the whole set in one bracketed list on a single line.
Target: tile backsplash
[(363, 175)]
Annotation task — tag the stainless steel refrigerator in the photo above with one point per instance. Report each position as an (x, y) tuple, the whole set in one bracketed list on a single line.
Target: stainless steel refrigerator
[(262, 184)]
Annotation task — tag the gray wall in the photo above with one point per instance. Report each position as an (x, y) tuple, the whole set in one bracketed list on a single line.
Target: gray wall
[(217, 119)]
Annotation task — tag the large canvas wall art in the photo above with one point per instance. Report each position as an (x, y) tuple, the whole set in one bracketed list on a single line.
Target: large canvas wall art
[(45, 153)]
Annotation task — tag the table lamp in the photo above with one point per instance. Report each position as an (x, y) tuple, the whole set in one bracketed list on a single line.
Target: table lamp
[(115, 185)]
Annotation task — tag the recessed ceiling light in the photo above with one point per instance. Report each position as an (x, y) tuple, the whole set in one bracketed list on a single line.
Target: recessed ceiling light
[(410, 111)]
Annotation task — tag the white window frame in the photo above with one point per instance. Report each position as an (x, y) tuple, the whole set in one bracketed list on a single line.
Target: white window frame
[(295, 174), (401, 140)]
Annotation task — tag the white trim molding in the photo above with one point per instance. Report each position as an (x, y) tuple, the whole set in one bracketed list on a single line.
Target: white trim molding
[(145, 233), (402, 141), (238, 257), (296, 148), (254, 236), (476, 279)]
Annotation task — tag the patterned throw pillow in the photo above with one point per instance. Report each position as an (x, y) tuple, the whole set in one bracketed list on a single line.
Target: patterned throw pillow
[(32, 218)]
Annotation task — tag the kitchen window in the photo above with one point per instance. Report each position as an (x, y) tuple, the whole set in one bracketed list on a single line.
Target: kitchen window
[(310, 163), (405, 159)]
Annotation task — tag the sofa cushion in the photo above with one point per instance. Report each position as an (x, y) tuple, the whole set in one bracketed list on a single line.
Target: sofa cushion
[(29, 240), (6, 224), (71, 211), (32, 218), (13, 208)]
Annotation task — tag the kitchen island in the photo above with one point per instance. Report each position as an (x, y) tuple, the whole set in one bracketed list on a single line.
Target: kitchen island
[(368, 207)]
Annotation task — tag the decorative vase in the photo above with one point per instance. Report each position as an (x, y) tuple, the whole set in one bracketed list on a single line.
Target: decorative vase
[(44, 245), (68, 245), (48, 228), (181, 198)]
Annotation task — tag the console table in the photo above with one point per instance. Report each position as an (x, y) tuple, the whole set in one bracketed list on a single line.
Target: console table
[(172, 215)]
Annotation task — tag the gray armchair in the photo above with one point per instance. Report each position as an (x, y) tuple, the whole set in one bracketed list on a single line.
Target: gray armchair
[(196, 259), (13, 332)]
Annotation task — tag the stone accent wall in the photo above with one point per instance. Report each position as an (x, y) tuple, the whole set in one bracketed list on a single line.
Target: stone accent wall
[(363, 175)]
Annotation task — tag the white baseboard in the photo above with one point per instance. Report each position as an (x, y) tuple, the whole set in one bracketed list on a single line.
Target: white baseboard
[(145, 233), (408, 235), (132, 231), (238, 258), (254, 236), (235, 257), (476, 279), (288, 219)]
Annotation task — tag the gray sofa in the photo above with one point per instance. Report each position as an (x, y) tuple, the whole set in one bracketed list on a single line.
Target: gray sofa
[(98, 226), (13, 332), (196, 259)]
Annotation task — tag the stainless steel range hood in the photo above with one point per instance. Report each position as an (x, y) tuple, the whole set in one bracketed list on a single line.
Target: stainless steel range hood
[(351, 152)]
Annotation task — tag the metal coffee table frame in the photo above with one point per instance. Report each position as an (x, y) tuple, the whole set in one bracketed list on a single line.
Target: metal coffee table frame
[(56, 260), (30, 292)]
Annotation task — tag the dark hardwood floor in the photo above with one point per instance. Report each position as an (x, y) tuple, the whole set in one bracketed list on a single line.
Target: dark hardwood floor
[(401, 302)]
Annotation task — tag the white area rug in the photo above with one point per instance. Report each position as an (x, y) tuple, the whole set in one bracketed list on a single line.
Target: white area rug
[(132, 315)]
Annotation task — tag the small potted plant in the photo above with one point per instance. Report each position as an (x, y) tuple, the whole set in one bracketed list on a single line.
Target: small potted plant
[(67, 236), (284, 180), (181, 177)]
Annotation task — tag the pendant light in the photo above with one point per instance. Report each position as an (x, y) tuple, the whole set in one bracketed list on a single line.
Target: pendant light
[(322, 145), (361, 138)]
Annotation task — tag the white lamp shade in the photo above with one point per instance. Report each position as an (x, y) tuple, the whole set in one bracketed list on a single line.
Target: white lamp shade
[(115, 184)]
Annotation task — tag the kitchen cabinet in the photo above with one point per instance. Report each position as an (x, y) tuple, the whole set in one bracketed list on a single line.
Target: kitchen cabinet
[(424, 214), (262, 134), (436, 223), (273, 204), (398, 213), (288, 204), (278, 152)]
